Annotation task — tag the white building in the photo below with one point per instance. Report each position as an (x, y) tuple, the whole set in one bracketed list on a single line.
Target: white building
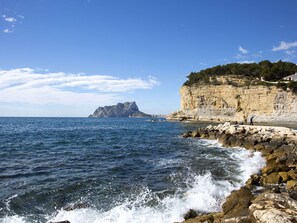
[(291, 77)]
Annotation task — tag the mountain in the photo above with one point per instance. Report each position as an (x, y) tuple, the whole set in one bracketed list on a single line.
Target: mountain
[(127, 109)]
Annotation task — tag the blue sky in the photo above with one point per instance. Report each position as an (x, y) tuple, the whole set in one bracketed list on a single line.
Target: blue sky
[(66, 57)]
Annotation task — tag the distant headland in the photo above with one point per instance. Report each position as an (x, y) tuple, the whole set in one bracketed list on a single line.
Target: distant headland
[(127, 109)]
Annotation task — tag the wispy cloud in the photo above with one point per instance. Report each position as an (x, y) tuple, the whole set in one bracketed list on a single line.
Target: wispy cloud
[(7, 31), (10, 19), (285, 46), (26, 85), (10, 22), (240, 56), (242, 50), (246, 61)]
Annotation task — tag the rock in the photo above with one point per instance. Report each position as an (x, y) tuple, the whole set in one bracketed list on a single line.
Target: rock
[(237, 203), (291, 184), (253, 181), (187, 134), (206, 218), (285, 176), (127, 109), (273, 178), (196, 134), (274, 168), (190, 214), (273, 208), (76, 206), (293, 174)]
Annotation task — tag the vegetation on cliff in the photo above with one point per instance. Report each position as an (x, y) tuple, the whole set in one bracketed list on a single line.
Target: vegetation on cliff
[(265, 71)]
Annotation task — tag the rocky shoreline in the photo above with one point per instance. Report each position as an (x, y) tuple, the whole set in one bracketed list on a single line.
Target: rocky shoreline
[(269, 196)]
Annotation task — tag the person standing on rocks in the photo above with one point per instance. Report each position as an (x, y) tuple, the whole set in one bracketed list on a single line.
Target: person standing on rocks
[(251, 120)]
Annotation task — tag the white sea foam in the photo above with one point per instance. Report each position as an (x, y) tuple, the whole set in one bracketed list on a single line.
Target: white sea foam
[(13, 219), (203, 194)]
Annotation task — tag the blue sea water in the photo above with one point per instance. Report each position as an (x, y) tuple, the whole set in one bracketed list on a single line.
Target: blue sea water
[(99, 170)]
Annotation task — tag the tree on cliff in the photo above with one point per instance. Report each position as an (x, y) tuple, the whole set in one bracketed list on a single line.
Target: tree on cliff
[(265, 69)]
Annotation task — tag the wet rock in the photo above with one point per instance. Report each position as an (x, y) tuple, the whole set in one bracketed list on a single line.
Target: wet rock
[(237, 203), (212, 135), (76, 206), (196, 134), (190, 214), (253, 181), (187, 134), (206, 218)]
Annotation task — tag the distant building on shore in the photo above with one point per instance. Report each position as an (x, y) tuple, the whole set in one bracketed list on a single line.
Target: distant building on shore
[(291, 77)]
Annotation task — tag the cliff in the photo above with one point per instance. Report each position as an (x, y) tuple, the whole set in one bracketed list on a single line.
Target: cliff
[(226, 102), (127, 109)]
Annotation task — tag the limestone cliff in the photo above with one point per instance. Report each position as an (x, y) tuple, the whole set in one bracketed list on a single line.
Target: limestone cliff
[(226, 102), (127, 109)]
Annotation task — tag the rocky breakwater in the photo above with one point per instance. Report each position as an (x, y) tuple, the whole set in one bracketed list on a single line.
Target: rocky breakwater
[(269, 196)]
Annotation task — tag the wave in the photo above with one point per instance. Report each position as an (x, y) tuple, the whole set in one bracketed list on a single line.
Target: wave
[(202, 193)]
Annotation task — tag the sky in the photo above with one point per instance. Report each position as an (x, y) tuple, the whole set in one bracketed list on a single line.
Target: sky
[(64, 58)]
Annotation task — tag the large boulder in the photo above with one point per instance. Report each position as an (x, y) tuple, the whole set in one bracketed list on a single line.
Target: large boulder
[(237, 203)]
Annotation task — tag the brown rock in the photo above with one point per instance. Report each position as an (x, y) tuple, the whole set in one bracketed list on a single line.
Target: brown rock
[(293, 174), (187, 134), (273, 178), (291, 184), (195, 134), (285, 176), (237, 203)]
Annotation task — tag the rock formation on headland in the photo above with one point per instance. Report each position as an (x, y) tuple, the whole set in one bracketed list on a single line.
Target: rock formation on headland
[(127, 109), (269, 196), (238, 92), (227, 102)]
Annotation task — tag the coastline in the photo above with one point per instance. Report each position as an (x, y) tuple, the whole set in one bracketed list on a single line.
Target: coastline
[(270, 195)]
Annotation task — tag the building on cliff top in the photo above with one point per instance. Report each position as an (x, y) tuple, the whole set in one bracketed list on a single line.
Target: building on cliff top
[(291, 77)]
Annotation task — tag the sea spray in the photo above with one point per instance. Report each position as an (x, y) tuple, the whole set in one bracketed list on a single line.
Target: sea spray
[(125, 170), (203, 194)]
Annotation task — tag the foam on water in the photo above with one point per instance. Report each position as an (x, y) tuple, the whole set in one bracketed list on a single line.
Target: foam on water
[(203, 194)]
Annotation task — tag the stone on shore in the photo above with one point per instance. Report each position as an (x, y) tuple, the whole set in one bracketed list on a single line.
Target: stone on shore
[(277, 200)]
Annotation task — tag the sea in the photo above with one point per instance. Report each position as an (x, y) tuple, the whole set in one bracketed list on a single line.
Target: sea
[(113, 170)]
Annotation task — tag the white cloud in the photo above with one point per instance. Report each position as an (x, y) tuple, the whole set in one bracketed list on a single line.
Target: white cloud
[(7, 31), (246, 61), (284, 46), (10, 19), (242, 50), (240, 56), (28, 86)]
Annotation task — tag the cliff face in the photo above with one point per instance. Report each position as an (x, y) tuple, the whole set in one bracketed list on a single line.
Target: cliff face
[(229, 103), (127, 109)]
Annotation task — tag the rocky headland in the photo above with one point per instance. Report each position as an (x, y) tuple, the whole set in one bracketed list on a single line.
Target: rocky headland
[(127, 109), (269, 196), (236, 101)]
